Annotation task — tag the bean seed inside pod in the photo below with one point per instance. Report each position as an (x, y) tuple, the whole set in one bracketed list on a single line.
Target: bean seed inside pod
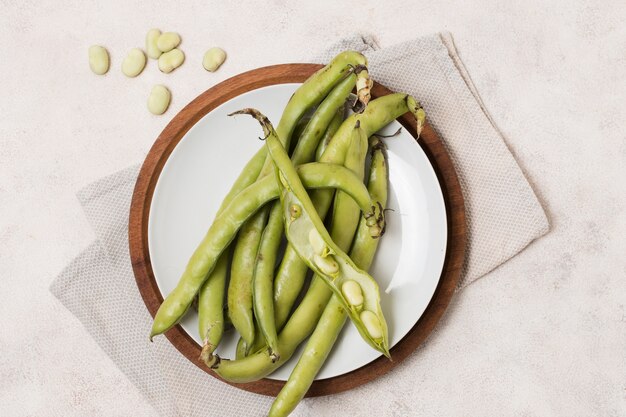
[(372, 324), (171, 60), (134, 63), (168, 41), (318, 244), (159, 99), (98, 59), (326, 264), (352, 291), (152, 50)]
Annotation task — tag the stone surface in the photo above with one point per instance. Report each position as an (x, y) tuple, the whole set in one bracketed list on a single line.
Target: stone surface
[(543, 335)]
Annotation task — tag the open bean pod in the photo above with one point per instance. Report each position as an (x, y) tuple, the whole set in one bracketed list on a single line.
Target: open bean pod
[(355, 288)]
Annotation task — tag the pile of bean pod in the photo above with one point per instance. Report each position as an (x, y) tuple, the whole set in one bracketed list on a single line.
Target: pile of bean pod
[(322, 181)]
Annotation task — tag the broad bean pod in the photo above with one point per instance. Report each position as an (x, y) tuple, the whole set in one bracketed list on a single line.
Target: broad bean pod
[(266, 260), (307, 234), (211, 296), (333, 318), (348, 64)]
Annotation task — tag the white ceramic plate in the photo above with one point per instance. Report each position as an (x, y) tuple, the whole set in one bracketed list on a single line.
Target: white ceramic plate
[(205, 163)]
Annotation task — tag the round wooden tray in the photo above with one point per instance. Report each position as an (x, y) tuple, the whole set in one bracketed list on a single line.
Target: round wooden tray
[(174, 132)]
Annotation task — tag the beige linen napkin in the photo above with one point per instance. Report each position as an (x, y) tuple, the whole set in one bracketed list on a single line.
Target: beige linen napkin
[(503, 216)]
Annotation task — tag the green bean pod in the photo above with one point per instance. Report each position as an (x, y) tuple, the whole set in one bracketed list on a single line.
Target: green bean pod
[(344, 69), (211, 295), (291, 274), (229, 221), (263, 299), (211, 307), (306, 232), (379, 113), (334, 316), (333, 127), (239, 297)]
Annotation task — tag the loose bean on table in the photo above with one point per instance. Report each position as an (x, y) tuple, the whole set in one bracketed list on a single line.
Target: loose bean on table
[(134, 63), (152, 50), (171, 60), (159, 99), (98, 59)]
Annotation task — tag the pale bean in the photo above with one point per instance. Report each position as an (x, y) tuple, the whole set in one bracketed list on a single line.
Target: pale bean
[(168, 41), (326, 264), (98, 59), (134, 63), (372, 324), (353, 293), (152, 49), (171, 60), (159, 99), (317, 243), (213, 59)]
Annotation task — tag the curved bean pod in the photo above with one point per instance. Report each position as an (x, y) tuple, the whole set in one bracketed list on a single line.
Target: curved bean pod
[(291, 274), (379, 113), (334, 316), (266, 260), (333, 127), (306, 232), (229, 221), (239, 297), (211, 296), (309, 94)]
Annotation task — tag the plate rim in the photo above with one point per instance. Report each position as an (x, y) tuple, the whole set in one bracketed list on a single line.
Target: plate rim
[(205, 103)]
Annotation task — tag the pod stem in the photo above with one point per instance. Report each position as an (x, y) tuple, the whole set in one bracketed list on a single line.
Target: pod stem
[(415, 107), (268, 129)]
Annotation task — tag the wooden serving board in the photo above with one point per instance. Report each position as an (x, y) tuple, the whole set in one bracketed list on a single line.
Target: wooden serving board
[(203, 104)]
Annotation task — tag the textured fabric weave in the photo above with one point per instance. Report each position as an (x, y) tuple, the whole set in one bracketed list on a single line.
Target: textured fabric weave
[(503, 217)]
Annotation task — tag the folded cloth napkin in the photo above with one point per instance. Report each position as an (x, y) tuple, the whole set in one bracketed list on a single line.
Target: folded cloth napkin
[(503, 216)]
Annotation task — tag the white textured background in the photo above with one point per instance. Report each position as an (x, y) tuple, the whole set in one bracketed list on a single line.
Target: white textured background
[(543, 335)]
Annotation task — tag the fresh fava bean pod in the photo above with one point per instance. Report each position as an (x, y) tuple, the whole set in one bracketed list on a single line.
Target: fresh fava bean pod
[(211, 307), (309, 94), (330, 132), (98, 59), (239, 299), (171, 60), (334, 317), (213, 59), (168, 41), (379, 113), (313, 91), (211, 296), (332, 264), (263, 282), (228, 222), (152, 50), (291, 274), (133, 63)]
